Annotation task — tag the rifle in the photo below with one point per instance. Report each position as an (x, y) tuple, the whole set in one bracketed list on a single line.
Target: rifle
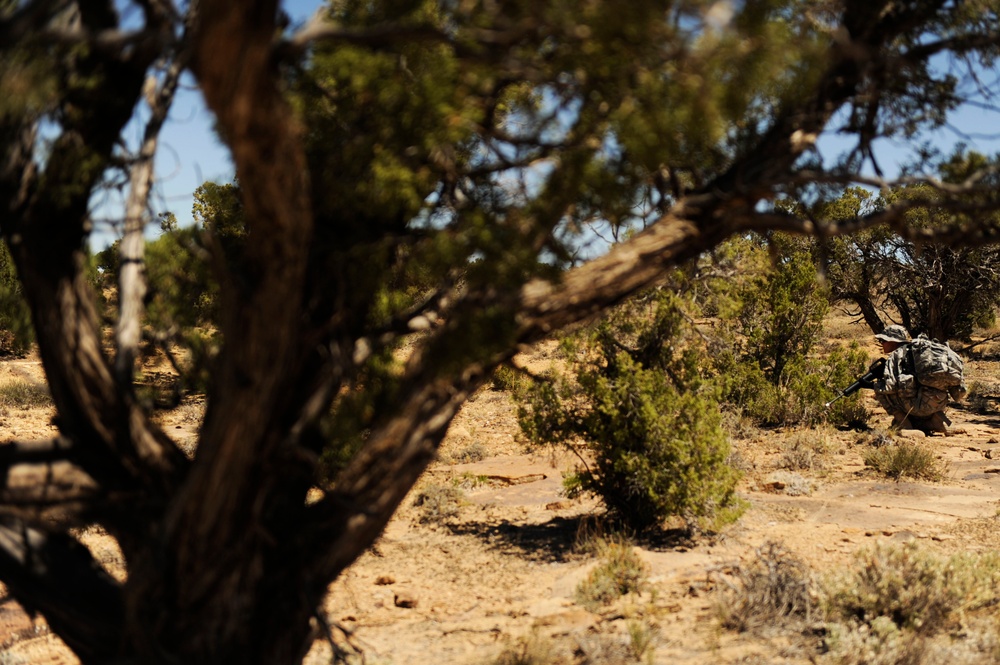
[(875, 372)]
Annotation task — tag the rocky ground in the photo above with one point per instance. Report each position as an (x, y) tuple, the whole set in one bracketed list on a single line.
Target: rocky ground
[(483, 560)]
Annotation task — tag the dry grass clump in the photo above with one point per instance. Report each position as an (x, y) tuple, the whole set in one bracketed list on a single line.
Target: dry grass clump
[(806, 451), (772, 590), (23, 394), (875, 438), (507, 379), (896, 605), (439, 502), (738, 425), (531, 649), (474, 452), (905, 460), (619, 573), (913, 589)]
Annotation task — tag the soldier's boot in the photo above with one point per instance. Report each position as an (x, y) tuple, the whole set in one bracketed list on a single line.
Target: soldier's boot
[(936, 422), (939, 422), (901, 420)]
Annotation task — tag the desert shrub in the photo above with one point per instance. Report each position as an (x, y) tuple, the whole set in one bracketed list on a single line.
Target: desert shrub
[(765, 360), (805, 451), (637, 402), (531, 649), (620, 572), (881, 643), (800, 393), (916, 590), (904, 460), (22, 394), (474, 452), (439, 502), (895, 605), (507, 379), (16, 332), (773, 589)]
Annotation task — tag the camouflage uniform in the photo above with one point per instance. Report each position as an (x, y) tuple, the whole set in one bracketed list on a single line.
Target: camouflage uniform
[(911, 404)]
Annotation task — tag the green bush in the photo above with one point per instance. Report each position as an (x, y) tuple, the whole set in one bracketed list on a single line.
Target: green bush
[(648, 419), (16, 332), (781, 310), (799, 396), (765, 359)]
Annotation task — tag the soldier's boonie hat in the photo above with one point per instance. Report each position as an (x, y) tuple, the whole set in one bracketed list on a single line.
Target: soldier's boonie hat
[(894, 333)]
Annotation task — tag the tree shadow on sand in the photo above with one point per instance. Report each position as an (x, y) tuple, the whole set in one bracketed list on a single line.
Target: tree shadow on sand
[(560, 539)]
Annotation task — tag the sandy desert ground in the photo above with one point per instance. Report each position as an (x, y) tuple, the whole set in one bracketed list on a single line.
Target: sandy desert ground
[(490, 559)]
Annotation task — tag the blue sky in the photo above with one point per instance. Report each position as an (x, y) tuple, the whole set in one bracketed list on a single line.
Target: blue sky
[(189, 152)]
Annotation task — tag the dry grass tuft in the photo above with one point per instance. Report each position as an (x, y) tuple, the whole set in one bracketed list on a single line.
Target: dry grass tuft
[(619, 573), (438, 502), (772, 590), (532, 649), (905, 460), (23, 394)]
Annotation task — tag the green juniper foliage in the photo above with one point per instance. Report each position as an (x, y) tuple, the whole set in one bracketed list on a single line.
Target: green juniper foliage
[(16, 333), (648, 419), (772, 320)]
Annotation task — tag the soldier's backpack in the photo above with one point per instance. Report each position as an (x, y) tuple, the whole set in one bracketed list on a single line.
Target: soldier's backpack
[(935, 364)]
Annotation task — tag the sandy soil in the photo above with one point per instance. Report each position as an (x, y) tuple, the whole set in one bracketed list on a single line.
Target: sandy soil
[(459, 582)]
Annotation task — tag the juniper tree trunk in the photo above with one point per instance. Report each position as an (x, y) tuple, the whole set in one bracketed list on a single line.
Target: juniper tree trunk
[(226, 558)]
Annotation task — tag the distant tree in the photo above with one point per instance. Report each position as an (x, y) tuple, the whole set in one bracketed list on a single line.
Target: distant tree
[(781, 308), (941, 290), (460, 146), (772, 304)]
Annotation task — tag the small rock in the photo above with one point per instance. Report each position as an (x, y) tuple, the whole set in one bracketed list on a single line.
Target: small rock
[(558, 505), (383, 580), (404, 599), (941, 537), (988, 454), (993, 440)]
